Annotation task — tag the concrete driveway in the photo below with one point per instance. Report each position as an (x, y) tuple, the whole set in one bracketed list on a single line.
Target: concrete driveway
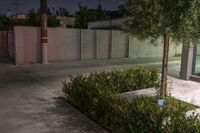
[(28, 105), (30, 95)]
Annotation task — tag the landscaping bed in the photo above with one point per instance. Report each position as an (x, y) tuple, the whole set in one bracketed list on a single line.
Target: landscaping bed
[(97, 96)]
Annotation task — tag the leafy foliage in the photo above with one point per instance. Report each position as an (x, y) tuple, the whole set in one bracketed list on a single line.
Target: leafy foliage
[(120, 81), (85, 15), (62, 12), (97, 96), (153, 18), (53, 21), (33, 19), (147, 117), (82, 17), (5, 23), (178, 20)]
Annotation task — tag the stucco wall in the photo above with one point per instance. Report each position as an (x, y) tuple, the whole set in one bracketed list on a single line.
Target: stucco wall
[(74, 44), (138, 48), (64, 44), (102, 38), (88, 44), (119, 44), (27, 45)]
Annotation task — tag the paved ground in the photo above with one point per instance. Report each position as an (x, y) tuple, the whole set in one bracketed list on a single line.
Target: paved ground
[(30, 95), (187, 91)]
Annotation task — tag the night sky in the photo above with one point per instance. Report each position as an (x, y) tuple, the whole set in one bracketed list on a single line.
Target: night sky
[(70, 5)]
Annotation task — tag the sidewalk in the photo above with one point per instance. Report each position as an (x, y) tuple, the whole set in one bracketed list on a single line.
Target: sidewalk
[(30, 95), (187, 91)]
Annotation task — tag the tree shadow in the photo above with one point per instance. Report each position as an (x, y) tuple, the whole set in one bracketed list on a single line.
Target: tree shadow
[(62, 117)]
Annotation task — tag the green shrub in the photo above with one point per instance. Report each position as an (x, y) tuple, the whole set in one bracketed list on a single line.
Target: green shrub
[(103, 105), (120, 81), (97, 96), (147, 117)]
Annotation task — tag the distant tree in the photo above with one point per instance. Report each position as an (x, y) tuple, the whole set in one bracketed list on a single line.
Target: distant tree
[(33, 18), (114, 14), (85, 15), (5, 23), (99, 14), (121, 10), (53, 21), (152, 19), (82, 17), (62, 12)]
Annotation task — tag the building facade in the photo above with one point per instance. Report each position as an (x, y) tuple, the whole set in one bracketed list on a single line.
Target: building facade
[(19, 16)]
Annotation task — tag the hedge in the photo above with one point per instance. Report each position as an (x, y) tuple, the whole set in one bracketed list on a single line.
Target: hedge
[(97, 96), (119, 80)]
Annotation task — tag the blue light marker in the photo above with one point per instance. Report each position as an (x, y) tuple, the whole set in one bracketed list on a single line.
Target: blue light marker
[(161, 103)]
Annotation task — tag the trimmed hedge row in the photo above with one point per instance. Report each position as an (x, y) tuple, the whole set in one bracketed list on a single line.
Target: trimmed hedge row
[(97, 96), (119, 80)]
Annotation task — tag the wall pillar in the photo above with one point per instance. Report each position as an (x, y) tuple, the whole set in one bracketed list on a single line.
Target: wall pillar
[(95, 44), (110, 45), (127, 47), (187, 61)]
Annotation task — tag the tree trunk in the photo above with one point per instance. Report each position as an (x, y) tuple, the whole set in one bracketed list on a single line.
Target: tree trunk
[(165, 66), (44, 32)]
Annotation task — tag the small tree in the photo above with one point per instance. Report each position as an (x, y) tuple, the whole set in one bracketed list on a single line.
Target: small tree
[(85, 15), (33, 18), (82, 17), (5, 23), (151, 19), (99, 14), (62, 12)]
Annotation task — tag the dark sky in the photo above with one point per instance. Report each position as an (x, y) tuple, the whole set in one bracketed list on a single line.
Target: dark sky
[(71, 5)]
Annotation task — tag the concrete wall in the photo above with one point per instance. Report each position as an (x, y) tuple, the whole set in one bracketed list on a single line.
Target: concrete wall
[(119, 44), (102, 38), (64, 44), (4, 44), (138, 48), (74, 44), (88, 41), (27, 45)]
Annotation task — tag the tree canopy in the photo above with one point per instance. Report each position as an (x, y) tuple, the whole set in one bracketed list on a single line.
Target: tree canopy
[(5, 23), (62, 12), (82, 17), (180, 19), (33, 19), (151, 19), (85, 15)]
